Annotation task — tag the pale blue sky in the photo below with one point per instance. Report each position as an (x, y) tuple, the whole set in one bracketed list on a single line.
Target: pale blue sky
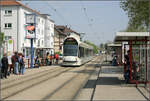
[(105, 17)]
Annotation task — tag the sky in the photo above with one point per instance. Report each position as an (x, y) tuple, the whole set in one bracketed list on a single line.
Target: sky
[(99, 20)]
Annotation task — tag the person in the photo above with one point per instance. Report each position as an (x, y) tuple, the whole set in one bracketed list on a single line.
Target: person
[(9, 63), (19, 62), (4, 62), (1, 68), (47, 59), (56, 57), (51, 59), (16, 60), (22, 64), (13, 59), (127, 63), (37, 61)]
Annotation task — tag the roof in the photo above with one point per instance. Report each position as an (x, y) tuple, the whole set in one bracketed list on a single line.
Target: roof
[(65, 29), (58, 30), (127, 36), (16, 3)]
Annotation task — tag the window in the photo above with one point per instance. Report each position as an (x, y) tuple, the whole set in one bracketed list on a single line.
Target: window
[(38, 43), (8, 12), (7, 37), (52, 25), (42, 32), (8, 25), (42, 42)]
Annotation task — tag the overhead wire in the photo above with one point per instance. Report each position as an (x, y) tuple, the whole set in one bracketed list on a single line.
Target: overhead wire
[(61, 16), (88, 19)]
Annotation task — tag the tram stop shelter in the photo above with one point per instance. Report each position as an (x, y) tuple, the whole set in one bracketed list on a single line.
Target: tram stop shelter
[(136, 46), (117, 48)]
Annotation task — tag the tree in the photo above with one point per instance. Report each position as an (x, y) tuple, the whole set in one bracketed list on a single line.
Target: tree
[(95, 48), (1, 38), (138, 13)]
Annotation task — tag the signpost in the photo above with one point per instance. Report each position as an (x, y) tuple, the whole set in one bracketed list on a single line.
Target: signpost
[(31, 32)]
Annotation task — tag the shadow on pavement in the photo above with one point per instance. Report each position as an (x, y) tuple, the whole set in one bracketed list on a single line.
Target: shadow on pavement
[(103, 81), (109, 81)]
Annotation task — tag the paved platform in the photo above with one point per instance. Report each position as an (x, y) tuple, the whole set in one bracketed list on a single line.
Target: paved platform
[(110, 86)]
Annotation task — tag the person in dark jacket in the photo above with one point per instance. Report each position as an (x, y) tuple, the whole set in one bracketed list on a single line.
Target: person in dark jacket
[(4, 66), (16, 60)]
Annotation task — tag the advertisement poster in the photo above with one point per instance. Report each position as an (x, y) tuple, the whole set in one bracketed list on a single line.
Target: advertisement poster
[(10, 44)]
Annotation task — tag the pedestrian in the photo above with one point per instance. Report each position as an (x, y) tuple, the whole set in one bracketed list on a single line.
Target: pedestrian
[(37, 62), (56, 57), (0, 68), (13, 59), (51, 59), (47, 59), (22, 64), (4, 62), (16, 60), (9, 63)]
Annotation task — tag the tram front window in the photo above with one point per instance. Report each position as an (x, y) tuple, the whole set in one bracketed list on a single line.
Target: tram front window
[(70, 50)]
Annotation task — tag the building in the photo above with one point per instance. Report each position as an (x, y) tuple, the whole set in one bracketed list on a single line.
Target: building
[(60, 33), (48, 37), (13, 24), (59, 37)]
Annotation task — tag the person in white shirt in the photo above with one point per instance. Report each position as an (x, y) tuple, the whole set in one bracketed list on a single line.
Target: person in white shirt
[(9, 63)]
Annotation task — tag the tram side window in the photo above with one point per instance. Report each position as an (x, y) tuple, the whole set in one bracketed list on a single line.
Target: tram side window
[(81, 51)]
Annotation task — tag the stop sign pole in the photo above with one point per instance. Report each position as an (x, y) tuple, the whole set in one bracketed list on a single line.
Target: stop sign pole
[(31, 25)]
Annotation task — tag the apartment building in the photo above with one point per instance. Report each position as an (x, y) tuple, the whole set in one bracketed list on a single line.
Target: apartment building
[(13, 24)]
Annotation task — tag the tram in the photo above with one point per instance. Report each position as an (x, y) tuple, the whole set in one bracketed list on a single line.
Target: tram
[(75, 52)]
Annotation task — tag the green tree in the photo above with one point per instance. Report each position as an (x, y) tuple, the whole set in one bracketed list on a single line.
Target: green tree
[(1, 38), (138, 13), (95, 48)]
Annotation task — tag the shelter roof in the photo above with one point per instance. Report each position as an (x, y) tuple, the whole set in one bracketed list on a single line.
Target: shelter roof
[(127, 36)]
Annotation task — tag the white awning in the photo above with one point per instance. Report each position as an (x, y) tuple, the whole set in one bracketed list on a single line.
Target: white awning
[(114, 45), (127, 36)]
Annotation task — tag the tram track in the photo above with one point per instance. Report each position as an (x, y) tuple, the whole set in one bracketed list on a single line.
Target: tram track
[(61, 93), (28, 85), (97, 66), (26, 79), (25, 76), (56, 93), (15, 89)]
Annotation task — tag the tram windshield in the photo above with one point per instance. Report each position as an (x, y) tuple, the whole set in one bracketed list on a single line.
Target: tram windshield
[(70, 47)]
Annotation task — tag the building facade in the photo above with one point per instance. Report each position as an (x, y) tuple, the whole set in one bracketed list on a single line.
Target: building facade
[(59, 37), (13, 24), (61, 32)]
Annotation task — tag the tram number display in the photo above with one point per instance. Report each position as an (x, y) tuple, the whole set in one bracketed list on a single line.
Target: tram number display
[(70, 41)]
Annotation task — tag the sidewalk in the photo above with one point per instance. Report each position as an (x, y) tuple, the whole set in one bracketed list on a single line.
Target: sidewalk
[(110, 86)]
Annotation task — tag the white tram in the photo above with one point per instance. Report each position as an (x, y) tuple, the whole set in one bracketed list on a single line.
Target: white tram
[(75, 52)]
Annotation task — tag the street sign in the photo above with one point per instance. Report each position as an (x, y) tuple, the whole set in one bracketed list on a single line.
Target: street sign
[(31, 28), (30, 32), (10, 45), (30, 18)]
